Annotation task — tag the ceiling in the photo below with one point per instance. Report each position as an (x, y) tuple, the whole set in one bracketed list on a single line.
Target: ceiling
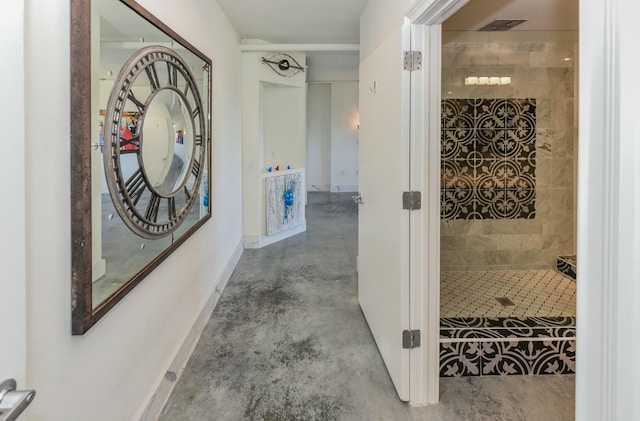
[(540, 15), (296, 21), (338, 21)]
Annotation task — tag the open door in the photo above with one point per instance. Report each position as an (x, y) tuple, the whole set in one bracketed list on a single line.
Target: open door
[(383, 225)]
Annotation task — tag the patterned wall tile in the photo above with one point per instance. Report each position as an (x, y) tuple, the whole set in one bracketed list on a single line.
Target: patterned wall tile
[(490, 143), (520, 204), (528, 357), (489, 346), (488, 158), (455, 204), (555, 357), (457, 114), (459, 359)]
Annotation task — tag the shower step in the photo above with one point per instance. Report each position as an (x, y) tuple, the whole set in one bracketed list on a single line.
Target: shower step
[(567, 266), (483, 346)]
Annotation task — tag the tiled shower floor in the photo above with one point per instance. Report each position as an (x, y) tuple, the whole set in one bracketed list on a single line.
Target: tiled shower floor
[(535, 293), (479, 336)]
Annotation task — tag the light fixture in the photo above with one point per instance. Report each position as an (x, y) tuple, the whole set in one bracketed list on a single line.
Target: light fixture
[(487, 80), (471, 80)]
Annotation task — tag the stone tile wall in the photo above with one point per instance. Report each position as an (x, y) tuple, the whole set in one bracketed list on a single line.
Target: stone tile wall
[(541, 68)]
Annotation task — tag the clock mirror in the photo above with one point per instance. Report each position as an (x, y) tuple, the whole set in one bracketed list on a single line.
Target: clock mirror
[(140, 149)]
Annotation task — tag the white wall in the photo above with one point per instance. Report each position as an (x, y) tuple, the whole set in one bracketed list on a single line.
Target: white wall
[(344, 136), (325, 66), (318, 136), (257, 81), (332, 136), (281, 127), (12, 172), (379, 19), (110, 372)]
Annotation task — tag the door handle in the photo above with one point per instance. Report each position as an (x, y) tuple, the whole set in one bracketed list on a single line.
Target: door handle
[(357, 198), (12, 401)]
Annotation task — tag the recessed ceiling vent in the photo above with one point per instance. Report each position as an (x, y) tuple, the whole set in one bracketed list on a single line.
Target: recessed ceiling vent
[(502, 24)]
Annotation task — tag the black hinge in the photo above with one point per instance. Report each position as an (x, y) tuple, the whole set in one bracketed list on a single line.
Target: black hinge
[(412, 60), (411, 200), (410, 339)]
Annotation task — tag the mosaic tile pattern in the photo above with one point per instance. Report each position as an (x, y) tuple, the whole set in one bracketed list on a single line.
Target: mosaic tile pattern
[(480, 337), (567, 265), (535, 293), (500, 351), (488, 158)]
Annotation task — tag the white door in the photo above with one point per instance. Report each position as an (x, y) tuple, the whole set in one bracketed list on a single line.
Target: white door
[(383, 226)]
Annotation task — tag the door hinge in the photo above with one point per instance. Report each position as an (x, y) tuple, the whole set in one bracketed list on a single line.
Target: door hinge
[(412, 60), (411, 200), (410, 339)]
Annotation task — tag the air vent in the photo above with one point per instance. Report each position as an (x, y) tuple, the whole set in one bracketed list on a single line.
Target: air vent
[(502, 24)]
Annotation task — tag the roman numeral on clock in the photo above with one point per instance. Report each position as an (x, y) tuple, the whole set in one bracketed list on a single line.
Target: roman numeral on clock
[(151, 214), (135, 186)]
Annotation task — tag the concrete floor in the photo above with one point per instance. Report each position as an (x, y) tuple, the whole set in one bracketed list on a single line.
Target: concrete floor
[(287, 341)]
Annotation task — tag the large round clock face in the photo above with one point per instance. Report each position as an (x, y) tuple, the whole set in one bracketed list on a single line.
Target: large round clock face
[(155, 149)]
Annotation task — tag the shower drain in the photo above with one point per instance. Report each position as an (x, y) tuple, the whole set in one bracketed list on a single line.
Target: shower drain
[(504, 301)]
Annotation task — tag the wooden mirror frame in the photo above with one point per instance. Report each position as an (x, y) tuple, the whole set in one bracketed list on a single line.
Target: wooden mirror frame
[(83, 313)]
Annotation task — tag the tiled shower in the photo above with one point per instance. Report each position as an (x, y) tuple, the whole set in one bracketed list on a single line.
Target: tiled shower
[(508, 156)]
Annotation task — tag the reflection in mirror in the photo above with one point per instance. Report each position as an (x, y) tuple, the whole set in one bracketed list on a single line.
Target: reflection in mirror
[(167, 134), (157, 141)]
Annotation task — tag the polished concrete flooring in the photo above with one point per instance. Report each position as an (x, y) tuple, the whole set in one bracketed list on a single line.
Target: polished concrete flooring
[(287, 341)]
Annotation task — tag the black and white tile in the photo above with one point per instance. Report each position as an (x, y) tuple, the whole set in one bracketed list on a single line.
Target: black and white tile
[(535, 293), (481, 337), (488, 157), (567, 265), (506, 346)]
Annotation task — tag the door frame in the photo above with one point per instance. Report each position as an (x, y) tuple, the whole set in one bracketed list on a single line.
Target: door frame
[(608, 234), (425, 18)]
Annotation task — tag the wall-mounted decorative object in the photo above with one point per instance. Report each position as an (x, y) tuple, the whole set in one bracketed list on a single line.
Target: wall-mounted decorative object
[(283, 64), (154, 197), (488, 158), (284, 202), (147, 192)]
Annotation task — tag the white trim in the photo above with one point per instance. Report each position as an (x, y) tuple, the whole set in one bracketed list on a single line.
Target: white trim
[(349, 188), (430, 12), (425, 99), (607, 385), (509, 340), (98, 269), (417, 238), (259, 241), (301, 47), (432, 180), (176, 368)]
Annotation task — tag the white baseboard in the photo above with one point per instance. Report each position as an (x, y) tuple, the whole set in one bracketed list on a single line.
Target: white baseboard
[(177, 366), (335, 188), (259, 241), (98, 269), (318, 187)]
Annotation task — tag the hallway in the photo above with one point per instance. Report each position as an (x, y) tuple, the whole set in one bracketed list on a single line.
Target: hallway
[(287, 341)]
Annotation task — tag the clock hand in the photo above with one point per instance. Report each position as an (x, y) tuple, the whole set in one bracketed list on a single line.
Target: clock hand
[(283, 63)]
